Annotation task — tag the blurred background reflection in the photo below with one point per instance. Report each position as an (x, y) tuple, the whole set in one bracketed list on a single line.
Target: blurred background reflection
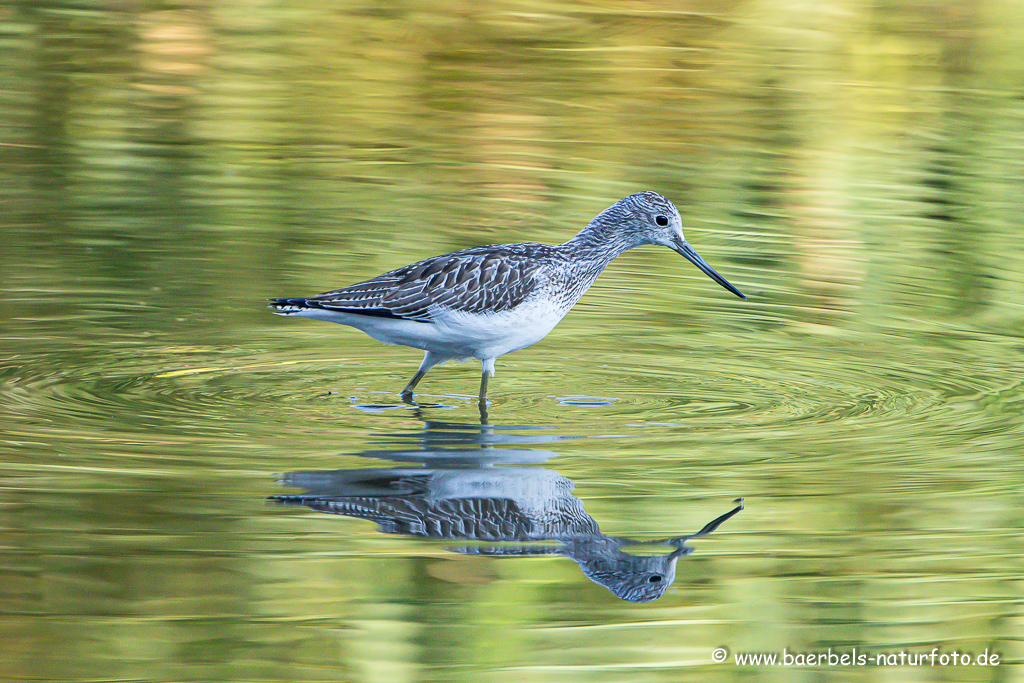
[(853, 166)]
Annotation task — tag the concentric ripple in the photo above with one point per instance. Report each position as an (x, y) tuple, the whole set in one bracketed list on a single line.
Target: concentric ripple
[(213, 393)]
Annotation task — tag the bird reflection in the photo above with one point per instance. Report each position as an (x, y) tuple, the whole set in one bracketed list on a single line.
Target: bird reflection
[(458, 494)]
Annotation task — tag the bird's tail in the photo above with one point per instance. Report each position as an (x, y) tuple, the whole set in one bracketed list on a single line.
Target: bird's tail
[(291, 305)]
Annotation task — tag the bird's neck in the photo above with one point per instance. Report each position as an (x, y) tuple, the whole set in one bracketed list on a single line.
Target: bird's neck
[(589, 252), (600, 243)]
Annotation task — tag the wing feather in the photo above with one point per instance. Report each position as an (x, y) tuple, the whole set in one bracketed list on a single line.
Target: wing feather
[(469, 281)]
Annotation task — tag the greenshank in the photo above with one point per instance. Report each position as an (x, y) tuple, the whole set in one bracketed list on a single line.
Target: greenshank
[(484, 302), (510, 511)]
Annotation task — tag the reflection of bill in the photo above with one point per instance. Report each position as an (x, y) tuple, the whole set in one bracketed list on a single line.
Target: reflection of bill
[(509, 511)]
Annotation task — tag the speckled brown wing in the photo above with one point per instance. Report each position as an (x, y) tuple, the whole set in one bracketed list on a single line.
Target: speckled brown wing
[(482, 279)]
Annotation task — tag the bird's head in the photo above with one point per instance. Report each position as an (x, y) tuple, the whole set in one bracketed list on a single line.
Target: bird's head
[(653, 219)]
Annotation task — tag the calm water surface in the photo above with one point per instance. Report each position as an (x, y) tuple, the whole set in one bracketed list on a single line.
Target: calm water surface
[(196, 490)]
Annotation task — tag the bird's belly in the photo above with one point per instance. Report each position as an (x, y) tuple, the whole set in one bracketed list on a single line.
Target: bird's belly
[(495, 334), (456, 334)]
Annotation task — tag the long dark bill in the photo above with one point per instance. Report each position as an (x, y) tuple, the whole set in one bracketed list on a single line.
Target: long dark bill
[(693, 257)]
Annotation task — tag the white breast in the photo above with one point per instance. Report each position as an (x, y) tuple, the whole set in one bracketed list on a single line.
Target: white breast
[(455, 334), (490, 335)]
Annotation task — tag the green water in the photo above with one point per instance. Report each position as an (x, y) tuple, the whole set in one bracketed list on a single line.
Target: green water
[(856, 169)]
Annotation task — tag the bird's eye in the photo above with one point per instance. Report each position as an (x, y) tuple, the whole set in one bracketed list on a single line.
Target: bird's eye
[(661, 220), (655, 578)]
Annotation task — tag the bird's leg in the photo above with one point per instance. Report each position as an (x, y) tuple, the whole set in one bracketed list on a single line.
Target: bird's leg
[(483, 388), (429, 361), (488, 372), (407, 392)]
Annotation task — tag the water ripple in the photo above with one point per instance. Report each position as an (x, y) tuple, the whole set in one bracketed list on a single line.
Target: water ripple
[(739, 392)]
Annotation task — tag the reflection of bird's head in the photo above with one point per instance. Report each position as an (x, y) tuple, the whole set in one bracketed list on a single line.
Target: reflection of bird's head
[(637, 578)]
